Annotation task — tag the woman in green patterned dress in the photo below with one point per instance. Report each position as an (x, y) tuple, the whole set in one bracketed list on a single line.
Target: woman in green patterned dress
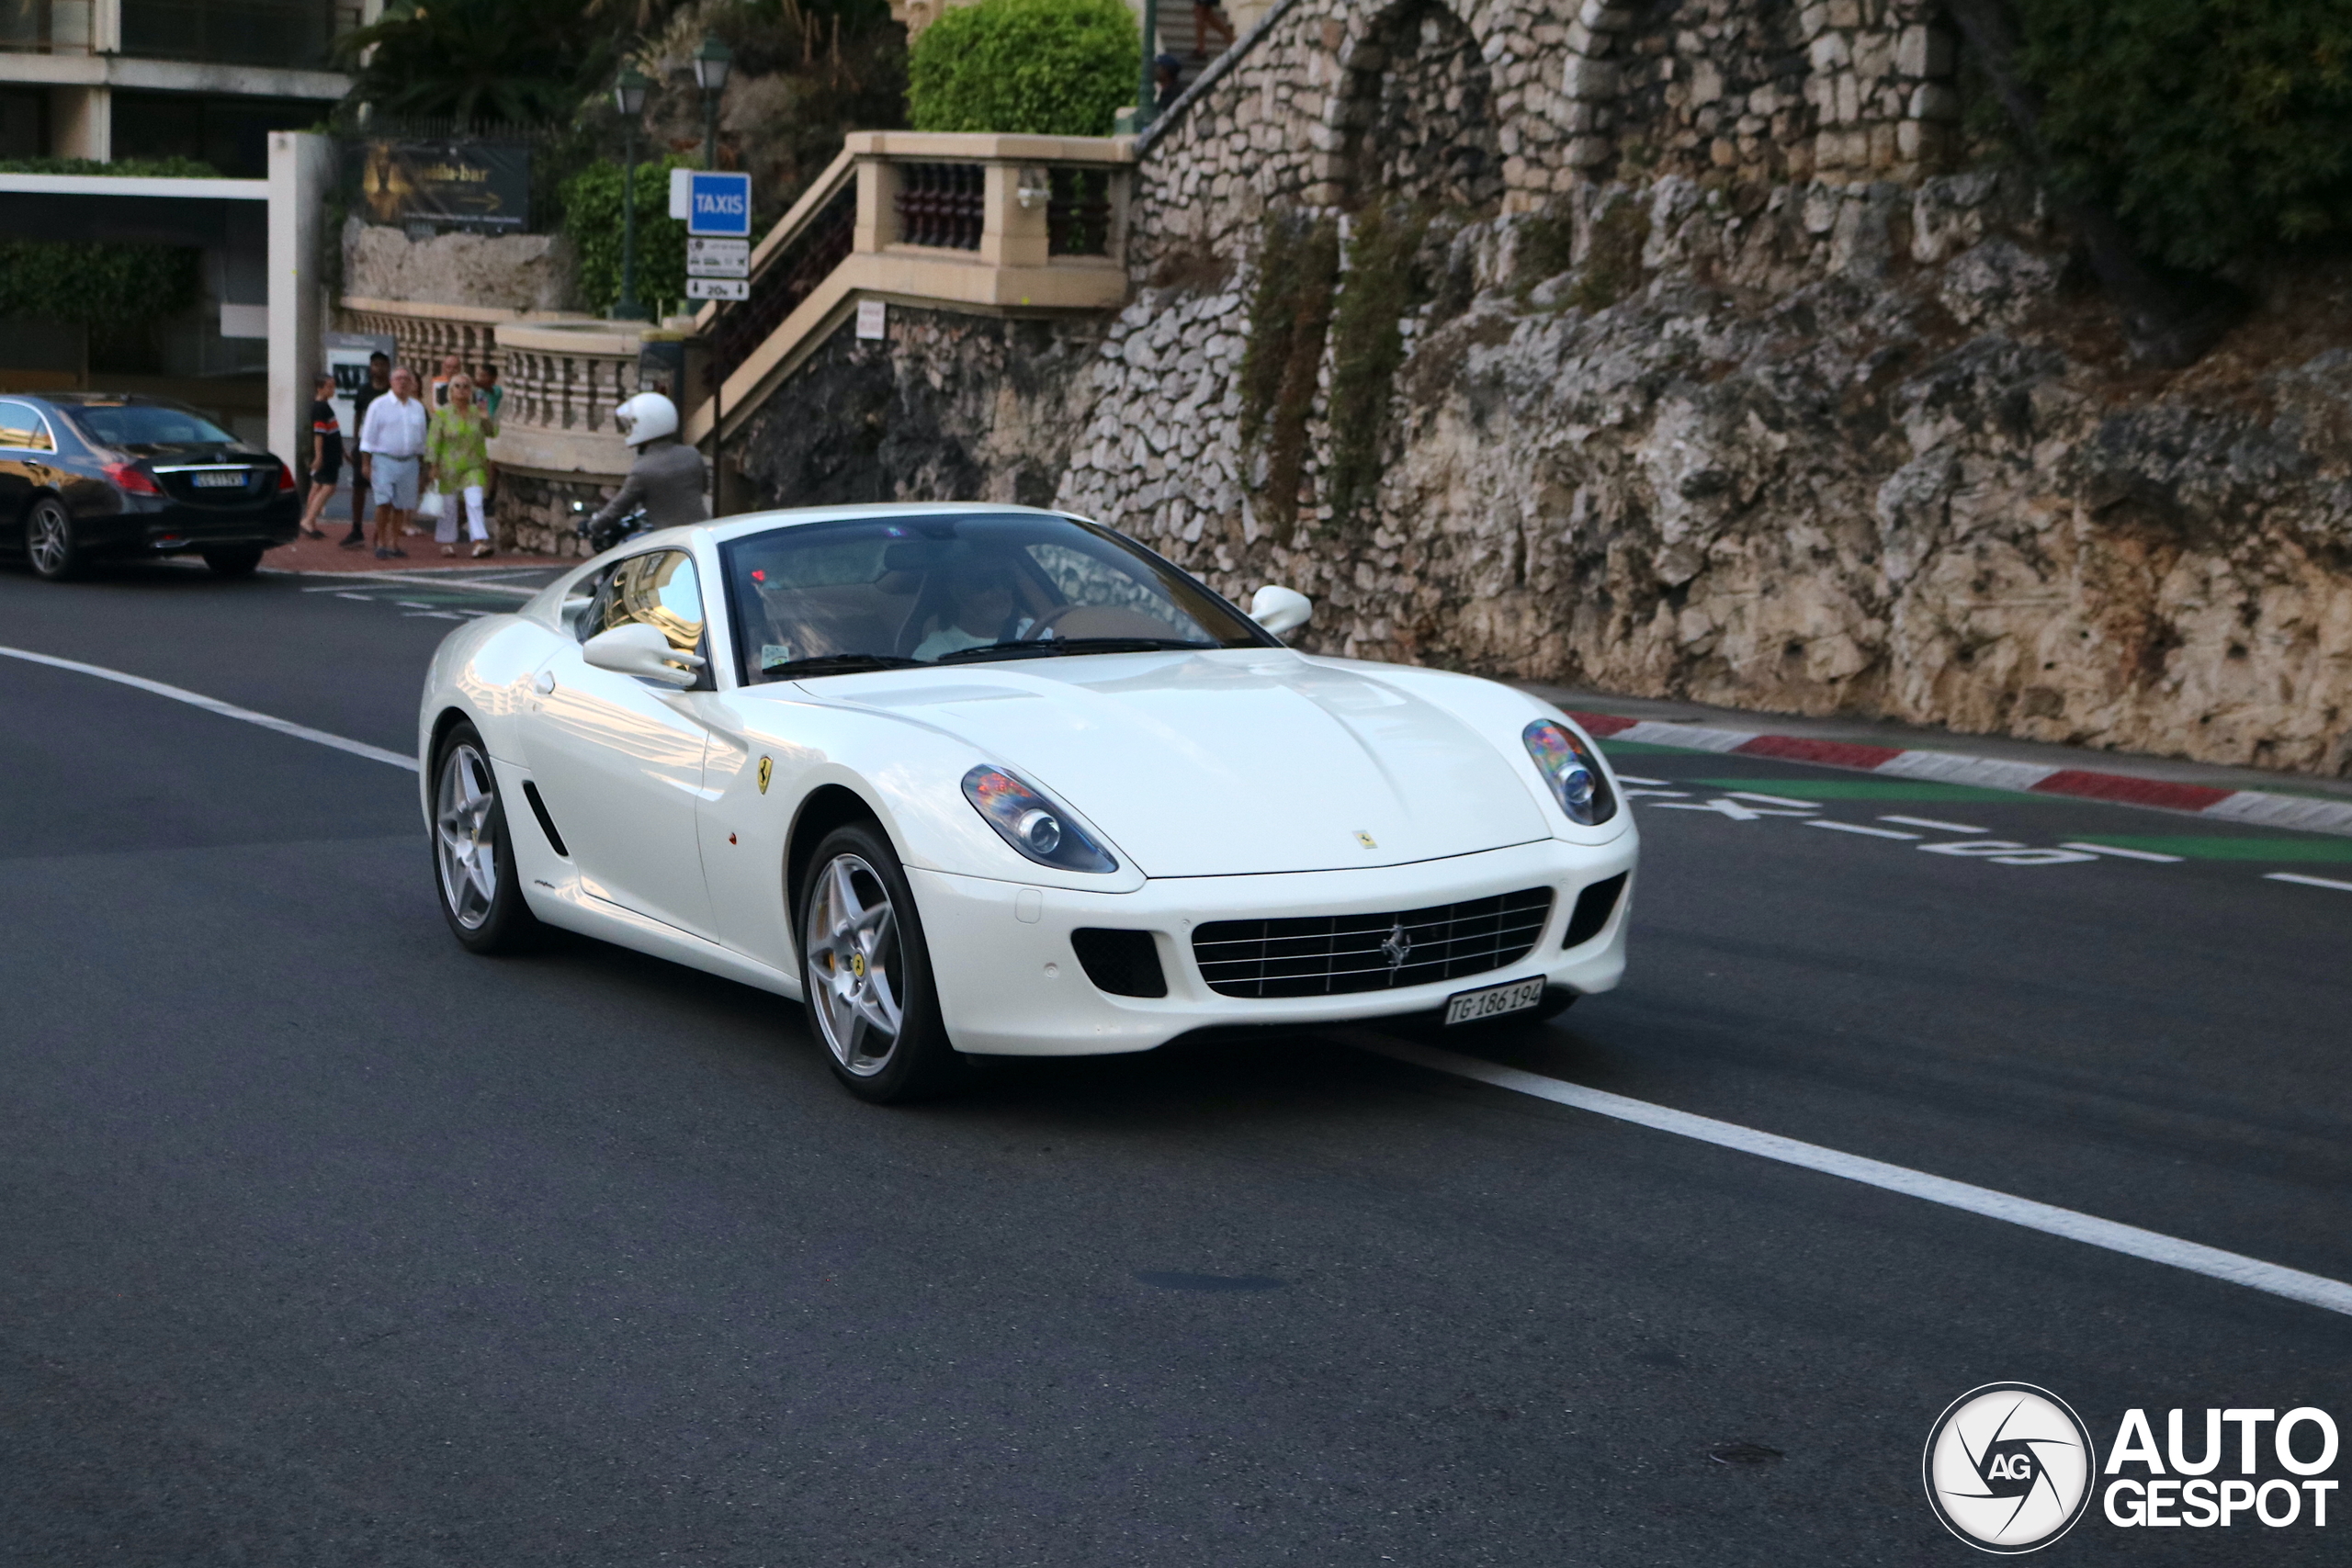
[(456, 463)]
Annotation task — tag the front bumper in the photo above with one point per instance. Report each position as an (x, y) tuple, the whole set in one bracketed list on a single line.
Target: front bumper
[(1011, 984)]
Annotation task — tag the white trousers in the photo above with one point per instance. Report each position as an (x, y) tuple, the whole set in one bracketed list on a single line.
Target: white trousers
[(444, 531)]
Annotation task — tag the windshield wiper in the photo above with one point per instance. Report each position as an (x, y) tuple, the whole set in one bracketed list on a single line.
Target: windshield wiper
[(835, 664), (1059, 647)]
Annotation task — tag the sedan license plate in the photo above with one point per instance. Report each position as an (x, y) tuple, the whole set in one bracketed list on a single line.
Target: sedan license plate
[(1469, 1007), (221, 481)]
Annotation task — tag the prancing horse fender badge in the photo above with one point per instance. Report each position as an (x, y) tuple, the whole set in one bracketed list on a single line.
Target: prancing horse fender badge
[(767, 772)]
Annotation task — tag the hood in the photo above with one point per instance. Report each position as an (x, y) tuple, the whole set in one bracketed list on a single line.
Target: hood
[(1226, 764)]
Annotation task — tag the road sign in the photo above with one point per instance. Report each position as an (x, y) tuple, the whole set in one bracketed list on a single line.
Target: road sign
[(718, 258), (721, 204), (718, 289)]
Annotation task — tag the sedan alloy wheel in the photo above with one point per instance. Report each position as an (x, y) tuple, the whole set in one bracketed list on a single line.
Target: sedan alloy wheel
[(48, 539)]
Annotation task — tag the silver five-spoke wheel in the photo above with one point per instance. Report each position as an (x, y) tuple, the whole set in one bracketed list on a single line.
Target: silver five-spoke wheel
[(465, 832), (852, 965)]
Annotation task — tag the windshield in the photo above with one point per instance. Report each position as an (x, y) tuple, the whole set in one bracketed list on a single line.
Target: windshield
[(883, 592), (147, 424)]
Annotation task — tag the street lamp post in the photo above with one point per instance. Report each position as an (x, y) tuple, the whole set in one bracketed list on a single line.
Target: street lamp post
[(1148, 95), (712, 62), (628, 93)]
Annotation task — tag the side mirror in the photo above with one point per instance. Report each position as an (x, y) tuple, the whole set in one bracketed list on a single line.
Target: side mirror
[(640, 650), (1280, 609)]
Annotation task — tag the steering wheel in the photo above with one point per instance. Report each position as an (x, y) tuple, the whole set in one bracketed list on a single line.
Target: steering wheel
[(1050, 620)]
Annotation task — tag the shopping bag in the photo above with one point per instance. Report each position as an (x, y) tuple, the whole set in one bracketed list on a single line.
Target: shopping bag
[(430, 504)]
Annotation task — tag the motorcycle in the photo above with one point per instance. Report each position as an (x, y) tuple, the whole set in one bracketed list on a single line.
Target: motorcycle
[(604, 537)]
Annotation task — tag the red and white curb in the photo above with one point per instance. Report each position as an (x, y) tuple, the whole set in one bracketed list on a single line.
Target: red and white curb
[(2262, 808)]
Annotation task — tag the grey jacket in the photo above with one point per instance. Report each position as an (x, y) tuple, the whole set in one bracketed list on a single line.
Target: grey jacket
[(667, 481)]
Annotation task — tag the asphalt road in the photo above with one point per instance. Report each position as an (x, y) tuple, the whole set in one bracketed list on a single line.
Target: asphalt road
[(323, 1243)]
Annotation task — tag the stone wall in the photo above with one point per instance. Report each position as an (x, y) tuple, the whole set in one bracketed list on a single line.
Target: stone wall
[(496, 272), (1718, 373)]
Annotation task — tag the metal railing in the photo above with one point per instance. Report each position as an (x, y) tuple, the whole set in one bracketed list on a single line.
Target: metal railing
[(298, 34), (787, 279), (941, 205), (1078, 212)]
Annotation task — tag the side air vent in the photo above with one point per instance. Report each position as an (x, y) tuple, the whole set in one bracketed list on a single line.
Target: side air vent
[(1594, 906), (546, 823), (1125, 963)]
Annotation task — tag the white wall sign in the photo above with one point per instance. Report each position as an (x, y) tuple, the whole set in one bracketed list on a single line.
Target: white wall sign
[(872, 319), (718, 289)]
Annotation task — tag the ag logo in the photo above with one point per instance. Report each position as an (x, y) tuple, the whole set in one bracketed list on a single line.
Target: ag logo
[(2009, 1467), (767, 772)]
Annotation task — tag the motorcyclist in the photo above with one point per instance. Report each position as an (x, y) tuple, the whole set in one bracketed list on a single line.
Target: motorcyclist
[(667, 479)]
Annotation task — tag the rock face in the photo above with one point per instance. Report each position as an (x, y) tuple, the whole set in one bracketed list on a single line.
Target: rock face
[(1710, 377), (502, 272)]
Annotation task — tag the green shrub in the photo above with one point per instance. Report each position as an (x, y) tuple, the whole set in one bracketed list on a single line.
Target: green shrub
[(2212, 128), (121, 168), (1368, 346), (116, 288), (1043, 67), (592, 217)]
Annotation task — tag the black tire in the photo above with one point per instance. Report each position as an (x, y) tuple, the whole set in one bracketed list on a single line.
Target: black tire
[(891, 971), (236, 561), (469, 821), (49, 544)]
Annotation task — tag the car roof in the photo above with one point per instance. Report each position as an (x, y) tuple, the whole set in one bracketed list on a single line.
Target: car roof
[(100, 399)]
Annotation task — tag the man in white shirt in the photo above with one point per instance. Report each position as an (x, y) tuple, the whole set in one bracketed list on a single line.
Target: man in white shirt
[(393, 437)]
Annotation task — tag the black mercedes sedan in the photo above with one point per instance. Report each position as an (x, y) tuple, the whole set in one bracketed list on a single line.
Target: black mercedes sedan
[(91, 475)]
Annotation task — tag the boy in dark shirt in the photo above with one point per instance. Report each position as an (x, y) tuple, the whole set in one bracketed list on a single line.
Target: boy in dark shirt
[(326, 455)]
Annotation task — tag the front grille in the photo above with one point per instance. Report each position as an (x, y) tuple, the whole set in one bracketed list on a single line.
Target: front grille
[(1329, 956)]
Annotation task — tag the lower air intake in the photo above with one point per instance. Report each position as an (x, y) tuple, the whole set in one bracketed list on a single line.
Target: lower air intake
[(1594, 906), (1125, 963)]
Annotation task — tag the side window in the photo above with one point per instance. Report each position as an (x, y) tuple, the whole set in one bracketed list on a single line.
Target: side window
[(660, 590), (21, 429)]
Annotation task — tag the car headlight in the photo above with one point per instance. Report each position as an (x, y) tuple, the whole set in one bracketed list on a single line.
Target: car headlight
[(1033, 824), (1568, 765)]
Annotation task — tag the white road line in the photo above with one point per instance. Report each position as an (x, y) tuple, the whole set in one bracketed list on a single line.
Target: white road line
[(1858, 828), (214, 704), (2314, 1290), (2306, 881), (2127, 854), (1775, 799), (1939, 827), (361, 597), (517, 590), (1636, 779)]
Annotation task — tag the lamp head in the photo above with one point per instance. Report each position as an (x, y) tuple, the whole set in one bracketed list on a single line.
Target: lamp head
[(628, 91), (712, 62)]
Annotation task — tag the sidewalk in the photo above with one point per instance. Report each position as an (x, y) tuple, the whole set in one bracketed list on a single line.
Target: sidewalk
[(2242, 794)]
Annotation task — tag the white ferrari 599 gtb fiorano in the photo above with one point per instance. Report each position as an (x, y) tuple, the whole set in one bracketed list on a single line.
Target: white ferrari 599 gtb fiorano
[(988, 780)]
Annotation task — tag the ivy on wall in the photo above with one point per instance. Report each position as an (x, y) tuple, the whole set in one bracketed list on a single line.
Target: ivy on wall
[(1368, 344), (1290, 318)]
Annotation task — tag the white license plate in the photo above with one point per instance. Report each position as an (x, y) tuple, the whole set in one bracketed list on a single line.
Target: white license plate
[(221, 481), (1469, 1007)]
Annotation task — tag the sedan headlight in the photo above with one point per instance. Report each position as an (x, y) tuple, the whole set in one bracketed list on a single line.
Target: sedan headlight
[(1572, 771), (1033, 824)]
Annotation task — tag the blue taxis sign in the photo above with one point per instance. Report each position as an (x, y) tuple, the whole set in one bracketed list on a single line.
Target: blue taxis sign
[(719, 203)]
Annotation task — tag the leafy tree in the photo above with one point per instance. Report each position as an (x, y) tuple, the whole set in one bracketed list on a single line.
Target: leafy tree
[(2212, 129), (517, 61), (1046, 67), (592, 216)]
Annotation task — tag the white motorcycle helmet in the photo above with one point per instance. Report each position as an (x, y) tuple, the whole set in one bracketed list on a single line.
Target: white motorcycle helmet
[(646, 417)]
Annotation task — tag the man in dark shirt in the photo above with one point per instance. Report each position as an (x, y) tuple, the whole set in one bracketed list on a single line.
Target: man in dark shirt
[(379, 381)]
